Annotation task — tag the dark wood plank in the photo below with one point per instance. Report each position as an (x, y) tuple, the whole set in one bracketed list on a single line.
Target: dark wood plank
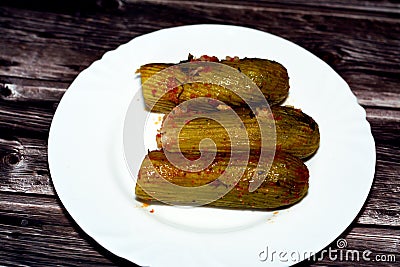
[(344, 6), (33, 120), (44, 47), (385, 126), (24, 167), (65, 6), (37, 230), (16, 92), (34, 209), (353, 6)]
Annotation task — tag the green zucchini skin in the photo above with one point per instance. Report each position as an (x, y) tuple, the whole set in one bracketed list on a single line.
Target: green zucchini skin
[(285, 183), (296, 133), (270, 76)]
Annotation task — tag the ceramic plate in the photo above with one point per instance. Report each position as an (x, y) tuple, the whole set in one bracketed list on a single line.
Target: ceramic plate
[(86, 158)]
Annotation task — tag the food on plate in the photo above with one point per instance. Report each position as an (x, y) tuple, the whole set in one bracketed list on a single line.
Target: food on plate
[(243, 125), (296, 132), (270, 76), (169, 88), (285, 183)]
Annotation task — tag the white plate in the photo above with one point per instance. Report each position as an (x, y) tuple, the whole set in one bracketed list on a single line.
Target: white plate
[(90, 176)]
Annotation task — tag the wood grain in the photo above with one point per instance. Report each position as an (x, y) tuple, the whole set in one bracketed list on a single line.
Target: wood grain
[(24, 166), (28, 235), (45, 44)]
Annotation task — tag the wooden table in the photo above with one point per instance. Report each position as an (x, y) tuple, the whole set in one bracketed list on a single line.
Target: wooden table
[(45, 44)]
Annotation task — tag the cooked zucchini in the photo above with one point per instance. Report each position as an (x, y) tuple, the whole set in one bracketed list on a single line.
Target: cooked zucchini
[(270, 76), (285, 183), (296, 133)]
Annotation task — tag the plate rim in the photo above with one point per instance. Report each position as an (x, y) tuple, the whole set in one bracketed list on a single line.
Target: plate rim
[(81, 74)]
